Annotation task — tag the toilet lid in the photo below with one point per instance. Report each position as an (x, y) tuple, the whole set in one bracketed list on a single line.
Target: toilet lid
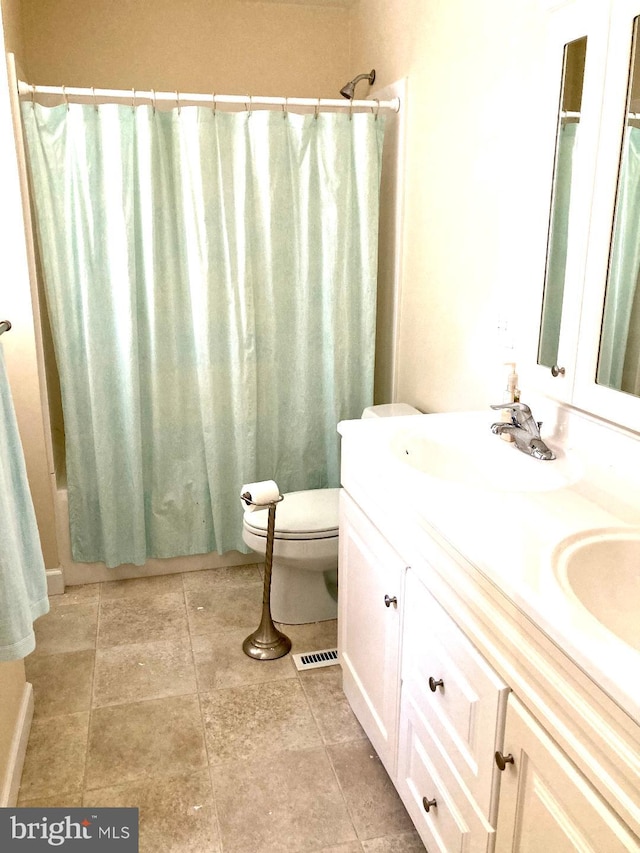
[(311, 514)]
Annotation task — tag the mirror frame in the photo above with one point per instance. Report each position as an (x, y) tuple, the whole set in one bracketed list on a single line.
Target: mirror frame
[(614, 405)]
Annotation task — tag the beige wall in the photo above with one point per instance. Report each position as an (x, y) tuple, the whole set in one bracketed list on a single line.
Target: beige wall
[(229, 46), (12, 675), (19, 344), (473, 189), (12, 24)]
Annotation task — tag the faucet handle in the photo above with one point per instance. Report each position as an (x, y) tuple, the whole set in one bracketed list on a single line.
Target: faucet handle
[(514, 407)]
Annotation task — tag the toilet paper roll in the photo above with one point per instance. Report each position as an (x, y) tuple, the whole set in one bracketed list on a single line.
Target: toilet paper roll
[(260, 493)]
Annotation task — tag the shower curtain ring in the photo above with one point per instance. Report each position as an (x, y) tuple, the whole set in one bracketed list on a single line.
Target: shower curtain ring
[(33, 95), (317, 110), (178, 101), (213, 102), (65, 96), (248, 106), (95, 100), (153, 100), (284, 107), (351, 109), (133, 100), (377, 108)]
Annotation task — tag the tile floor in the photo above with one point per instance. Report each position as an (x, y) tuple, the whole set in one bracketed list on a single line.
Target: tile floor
[(143, 697)]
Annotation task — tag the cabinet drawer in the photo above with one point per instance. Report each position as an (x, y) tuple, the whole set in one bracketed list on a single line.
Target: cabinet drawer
[(460, 697), (454, 823)]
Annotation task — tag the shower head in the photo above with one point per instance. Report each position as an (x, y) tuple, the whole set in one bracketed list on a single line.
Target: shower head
[(349, 89)]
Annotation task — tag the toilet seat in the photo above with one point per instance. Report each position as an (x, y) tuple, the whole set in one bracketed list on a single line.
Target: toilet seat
[(310, 514)]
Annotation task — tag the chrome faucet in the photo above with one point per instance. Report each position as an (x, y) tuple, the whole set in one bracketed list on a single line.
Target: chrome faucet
[(524, 429)]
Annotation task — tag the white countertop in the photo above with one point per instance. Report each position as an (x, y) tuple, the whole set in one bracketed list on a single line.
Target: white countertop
[(509, 536)]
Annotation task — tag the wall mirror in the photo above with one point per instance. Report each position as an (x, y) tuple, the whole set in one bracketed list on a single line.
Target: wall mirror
[(568, 123), (618, 364), (589, 306)]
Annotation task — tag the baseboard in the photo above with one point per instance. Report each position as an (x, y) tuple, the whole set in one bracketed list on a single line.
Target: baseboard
[(11, 783), (55, 581)]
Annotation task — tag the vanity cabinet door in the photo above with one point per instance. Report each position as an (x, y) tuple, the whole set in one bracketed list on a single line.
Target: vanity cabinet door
[(546, 804), (370, 576)]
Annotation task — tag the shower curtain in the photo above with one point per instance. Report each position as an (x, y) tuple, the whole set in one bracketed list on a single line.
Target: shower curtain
[(557, 250), (211, 281), (619, 336)]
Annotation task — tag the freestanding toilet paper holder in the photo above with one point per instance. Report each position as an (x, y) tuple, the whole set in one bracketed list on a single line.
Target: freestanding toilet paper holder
[(266, 642)]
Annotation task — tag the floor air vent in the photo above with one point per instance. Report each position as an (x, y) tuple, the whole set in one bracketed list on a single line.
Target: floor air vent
[(313, 660)]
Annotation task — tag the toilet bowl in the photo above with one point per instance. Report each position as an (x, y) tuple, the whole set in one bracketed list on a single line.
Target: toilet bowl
[(304, 579)]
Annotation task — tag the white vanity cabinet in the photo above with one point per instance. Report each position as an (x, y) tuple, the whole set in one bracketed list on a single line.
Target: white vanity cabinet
[(370, 606), (546, 804), (443, 672), (436, 737)]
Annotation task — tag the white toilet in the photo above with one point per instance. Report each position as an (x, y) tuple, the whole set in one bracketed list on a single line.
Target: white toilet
[(304, 579)]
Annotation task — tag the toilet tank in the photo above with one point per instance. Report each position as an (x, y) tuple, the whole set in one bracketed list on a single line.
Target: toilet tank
[(390, 410)]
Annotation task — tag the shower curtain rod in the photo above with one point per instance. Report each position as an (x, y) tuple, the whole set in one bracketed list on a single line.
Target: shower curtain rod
[(135, 96)]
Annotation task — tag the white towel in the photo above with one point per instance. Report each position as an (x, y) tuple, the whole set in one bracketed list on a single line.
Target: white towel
[(262, 493)]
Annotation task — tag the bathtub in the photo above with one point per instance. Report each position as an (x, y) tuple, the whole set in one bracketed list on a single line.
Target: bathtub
[(72, 573)]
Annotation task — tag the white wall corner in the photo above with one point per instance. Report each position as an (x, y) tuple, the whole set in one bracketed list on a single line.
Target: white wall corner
[(55, 582), (10, 785)]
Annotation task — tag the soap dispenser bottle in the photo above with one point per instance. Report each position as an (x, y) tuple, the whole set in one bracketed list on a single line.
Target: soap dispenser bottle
[(512, 384), (511, 395)]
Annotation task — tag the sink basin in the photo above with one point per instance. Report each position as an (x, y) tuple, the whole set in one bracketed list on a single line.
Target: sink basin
[(601, 569), (467, 453)]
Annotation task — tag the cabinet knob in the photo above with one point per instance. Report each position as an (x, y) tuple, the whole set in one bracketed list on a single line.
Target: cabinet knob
[(557, 371), (389, 600), (503, 760), (429, 804), (433, 683)]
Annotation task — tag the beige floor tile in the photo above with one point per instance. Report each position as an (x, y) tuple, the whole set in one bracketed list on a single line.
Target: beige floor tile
[(213, 610), (329, 705), (286, 802), (142, 587), (312, 636), (55, 759), (71, 628), (142, 620), (59, 801), (140, 671), (225, 576), (87, 593), (176, 814), (221, 662), (407, 842), (155, 738), (291, 766), (257, 719), (374, 804), (61, 683)]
